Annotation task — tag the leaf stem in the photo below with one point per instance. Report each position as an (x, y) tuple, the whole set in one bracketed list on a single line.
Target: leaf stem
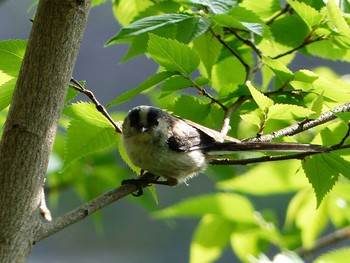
[(77, 86)]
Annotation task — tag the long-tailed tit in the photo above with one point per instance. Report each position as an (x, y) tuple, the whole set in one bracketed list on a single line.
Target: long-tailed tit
[(177, 149)]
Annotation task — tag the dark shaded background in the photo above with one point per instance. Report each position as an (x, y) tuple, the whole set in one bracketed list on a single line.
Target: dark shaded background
[(130, 234)]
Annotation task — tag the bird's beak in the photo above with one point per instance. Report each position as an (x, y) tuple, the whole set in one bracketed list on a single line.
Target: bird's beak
[(143, 129)]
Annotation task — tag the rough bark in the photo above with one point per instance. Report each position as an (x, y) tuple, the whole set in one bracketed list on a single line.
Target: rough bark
[(32, 120)]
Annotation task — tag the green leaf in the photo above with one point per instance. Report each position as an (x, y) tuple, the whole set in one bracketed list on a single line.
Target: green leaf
[(126, 10), (311, 221), (251, 118), (263, 8), (84, 138), (233, 207), (216, 6), (344, 116), (263, 102), (282, 72), (337, 18), (341, 255), (290, 36), (305, 75), (173, 55), (191, 108), (267, 179), (310, 15), (98, 2), (138, 46), (87, 112), (208, 48), (316, 106), (147, 84), (11, 56), (287, 111), (189, 26), (205, 248), (6, 91), (323, 171), (173, 84)]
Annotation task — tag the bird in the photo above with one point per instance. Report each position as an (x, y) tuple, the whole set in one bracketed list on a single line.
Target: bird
[(177, 149)]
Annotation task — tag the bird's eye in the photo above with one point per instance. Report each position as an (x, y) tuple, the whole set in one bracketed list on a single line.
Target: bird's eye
[(156, 123)]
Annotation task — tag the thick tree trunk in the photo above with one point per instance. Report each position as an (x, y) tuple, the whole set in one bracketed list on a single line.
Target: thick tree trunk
[(32, 120)]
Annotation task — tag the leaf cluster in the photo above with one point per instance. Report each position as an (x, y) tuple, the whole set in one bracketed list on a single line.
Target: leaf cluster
[(227, 65)]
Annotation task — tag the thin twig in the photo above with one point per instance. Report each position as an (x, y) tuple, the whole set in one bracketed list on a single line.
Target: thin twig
[(283, 11), (248, 42), (80, 213), (305, 125), (306, 42), (77, 86), (325, 241), (234, 53), (203, 92), (297, 156)]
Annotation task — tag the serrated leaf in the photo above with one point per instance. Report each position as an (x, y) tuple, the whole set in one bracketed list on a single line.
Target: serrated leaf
[(323, 171), (310, 15), (201, 81), (263, 8), (147, 84), (11, 56), (205, 248), (251, 118), (282, 72), (208, 48), (83, 139), (191, 26), (302, 212), (263, 102), (216, 6), (233, 207), (337, 18), (244, 19), (6, 91), (173, 84), (287, 111), (148, 24), (268, 179), (305, 75), (316, 106), (173, 55), (344, 116), (126, 10), (191, 108), (86, 112), (341, 255)]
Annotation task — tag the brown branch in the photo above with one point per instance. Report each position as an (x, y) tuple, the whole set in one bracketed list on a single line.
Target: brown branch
[(306, 42), (49, 228), (233, 52), (297, 156), (77, 86), (325, 241)]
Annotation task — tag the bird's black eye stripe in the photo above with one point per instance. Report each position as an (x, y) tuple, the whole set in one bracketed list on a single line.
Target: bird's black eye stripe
[(153, 116), (134, 117)]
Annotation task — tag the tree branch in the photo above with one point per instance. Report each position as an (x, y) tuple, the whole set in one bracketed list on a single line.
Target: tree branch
[(297, 156), (325, 241), (305, 125), (49, 228)]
